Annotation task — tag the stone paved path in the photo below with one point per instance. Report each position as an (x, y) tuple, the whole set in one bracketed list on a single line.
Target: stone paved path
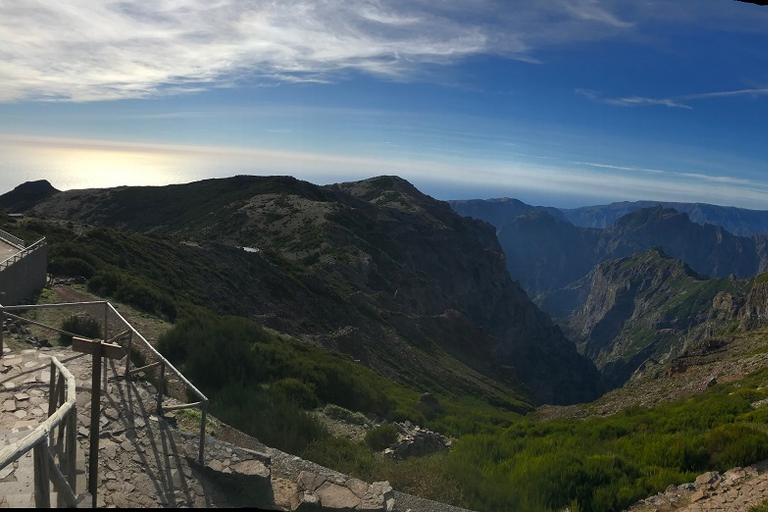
[(143, 460), (738, 495)]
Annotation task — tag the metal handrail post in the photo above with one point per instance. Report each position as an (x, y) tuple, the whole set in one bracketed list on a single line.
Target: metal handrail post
[(203, 419), (128, 354), (160, 386), (104, 389)]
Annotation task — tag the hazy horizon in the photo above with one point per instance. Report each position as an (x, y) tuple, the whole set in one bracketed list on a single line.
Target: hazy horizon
[(434, 191), (576, 103)]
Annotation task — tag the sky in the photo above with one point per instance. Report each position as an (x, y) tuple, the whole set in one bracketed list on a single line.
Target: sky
[(560, 102)]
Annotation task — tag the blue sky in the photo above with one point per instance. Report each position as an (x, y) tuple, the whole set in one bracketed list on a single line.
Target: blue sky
[(563, 102)]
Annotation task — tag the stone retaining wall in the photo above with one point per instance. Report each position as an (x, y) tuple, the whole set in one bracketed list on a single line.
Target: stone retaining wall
[(25, 277)]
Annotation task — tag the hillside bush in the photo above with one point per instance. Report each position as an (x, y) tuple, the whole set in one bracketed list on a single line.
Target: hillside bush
[(136, 292), (381, 437), (293, 390), (345, 415), (79, 324), (268, 417)]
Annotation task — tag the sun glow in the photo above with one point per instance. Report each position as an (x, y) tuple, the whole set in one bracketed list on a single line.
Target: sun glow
[(72, 166)]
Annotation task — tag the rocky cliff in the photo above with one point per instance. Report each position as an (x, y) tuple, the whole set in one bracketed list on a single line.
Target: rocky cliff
[(546, 253), (374, 269), (645, 306)]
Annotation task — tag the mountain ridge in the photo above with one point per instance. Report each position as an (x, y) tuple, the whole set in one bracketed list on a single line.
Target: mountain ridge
[(545, 253), (374, 269), (497, 211)]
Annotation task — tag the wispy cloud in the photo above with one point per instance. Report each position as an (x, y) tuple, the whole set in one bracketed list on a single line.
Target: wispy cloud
[(672, 174), (631, 101), (754, 93), (90, 50), (621, 167), (672, 102)]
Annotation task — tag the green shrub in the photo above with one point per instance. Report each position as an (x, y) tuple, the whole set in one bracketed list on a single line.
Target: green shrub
[(79, 324), (340, 413), (736, 445), (343, 455), (293, 390), (73, 267), (381, 437), (267, 417)]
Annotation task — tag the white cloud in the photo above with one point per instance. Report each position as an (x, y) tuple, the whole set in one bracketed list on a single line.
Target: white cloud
[(621, 167), (698, 177), (86, 50), (754, 93)]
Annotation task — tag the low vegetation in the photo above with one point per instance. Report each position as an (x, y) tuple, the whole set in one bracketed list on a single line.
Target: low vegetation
[(264, 384), (604, 464), (79, 324)]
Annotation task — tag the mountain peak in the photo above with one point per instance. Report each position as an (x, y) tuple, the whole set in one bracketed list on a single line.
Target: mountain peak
[(26, 195)]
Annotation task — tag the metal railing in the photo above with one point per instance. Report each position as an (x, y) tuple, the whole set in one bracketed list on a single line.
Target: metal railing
[(165, 365), (62, 415), (11, 239), (22, 253), (160, 360)]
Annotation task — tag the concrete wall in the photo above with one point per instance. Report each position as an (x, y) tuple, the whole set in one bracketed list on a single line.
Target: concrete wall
[(25, 277)]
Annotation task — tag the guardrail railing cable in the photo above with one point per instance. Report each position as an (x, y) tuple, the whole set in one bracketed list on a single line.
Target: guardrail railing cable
[(165, 365)]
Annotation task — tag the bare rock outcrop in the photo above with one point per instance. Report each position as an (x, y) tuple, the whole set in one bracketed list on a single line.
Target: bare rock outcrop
[(414, 441), (326, 492)]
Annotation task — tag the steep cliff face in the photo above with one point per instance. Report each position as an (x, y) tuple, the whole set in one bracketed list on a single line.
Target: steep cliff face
[(754, 312), (647, 306), (546, 254), (465, 259), (375, 269)]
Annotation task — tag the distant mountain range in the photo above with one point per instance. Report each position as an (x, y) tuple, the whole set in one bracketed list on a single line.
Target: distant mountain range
[(632, 284), (545, 251), (739, 221)]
